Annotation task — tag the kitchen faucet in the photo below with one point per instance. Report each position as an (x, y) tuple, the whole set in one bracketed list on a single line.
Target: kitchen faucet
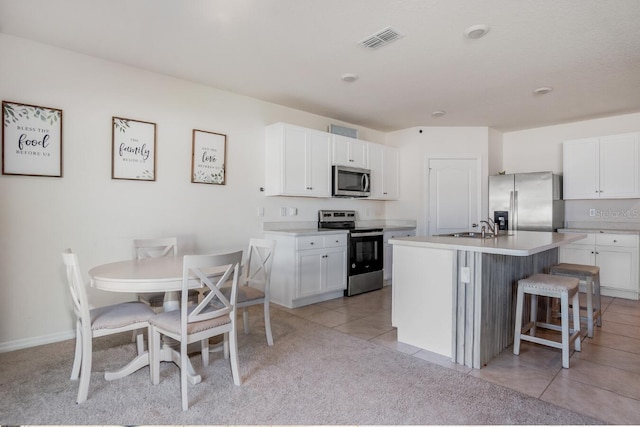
[(490, 224)]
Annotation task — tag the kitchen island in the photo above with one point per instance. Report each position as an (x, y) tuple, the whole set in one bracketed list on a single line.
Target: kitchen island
[(455, 296)]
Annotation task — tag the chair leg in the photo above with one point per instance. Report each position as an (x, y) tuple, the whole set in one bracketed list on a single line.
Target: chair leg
[(589, 290), (152, 353), (245, 319), (518, 328), (596, 288), (85, 370), (234, 357), (156, 359), (183, 375), (267, 323), (77, 359), (576, 322), (205, 352), (226, 345), (564, 302), (139, 341), (534, 315)]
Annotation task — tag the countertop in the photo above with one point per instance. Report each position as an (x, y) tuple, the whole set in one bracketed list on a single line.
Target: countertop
[(516, 243), (303, 232), (599, 230), (311, 228)]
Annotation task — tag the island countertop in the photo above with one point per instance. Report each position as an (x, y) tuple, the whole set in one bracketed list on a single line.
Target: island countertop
[(515, 243)]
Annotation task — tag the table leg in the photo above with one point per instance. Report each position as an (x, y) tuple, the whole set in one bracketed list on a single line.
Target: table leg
[(171, 301), (167, 352)]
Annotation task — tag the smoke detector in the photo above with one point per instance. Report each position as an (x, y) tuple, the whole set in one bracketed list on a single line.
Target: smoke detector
[(381, 38), (542, 90), (349, 77), (476, 31)]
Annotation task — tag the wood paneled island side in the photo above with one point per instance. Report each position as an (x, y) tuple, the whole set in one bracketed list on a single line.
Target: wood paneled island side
[(455, 296)]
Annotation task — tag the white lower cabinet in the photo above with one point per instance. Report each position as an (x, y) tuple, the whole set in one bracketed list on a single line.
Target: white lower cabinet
[(308, 269), (617, 257), (388, 251)]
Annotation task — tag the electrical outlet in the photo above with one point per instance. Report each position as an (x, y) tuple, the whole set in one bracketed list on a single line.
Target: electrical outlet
[(592, 212), (465, 275), (261, 211), (283, 211), (292, 211)]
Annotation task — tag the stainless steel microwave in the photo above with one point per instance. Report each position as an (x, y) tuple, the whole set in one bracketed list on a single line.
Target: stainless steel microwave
[(350, 182)]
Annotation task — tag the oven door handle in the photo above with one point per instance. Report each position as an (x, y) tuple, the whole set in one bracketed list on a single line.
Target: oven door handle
[(366, 234)]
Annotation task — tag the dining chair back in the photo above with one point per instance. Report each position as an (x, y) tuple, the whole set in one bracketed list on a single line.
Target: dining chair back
[(256, 284), (214, 315), (98, 322), (154, 248)]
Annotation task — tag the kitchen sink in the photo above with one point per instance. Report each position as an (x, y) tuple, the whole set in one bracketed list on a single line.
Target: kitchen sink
[(474, 235)]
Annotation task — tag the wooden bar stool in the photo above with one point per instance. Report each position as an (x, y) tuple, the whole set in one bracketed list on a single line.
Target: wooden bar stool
[(590, 274), (547, 285)]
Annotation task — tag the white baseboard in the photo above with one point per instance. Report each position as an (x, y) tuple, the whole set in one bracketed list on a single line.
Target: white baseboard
[(36, 341), (619, 293)]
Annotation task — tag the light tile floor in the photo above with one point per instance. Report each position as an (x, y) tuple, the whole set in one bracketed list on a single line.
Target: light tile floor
[(603, 380)]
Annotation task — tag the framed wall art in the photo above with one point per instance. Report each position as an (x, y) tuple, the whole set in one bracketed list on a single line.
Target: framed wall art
[(133, 150), (31, 140), (208, 157)]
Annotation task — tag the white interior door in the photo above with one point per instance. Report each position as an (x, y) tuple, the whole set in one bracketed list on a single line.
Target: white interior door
[(454, 199)]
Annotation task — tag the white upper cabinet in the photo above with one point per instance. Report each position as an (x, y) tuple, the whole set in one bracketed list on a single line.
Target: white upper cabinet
[(297, 161), (349, 151), (601, 168), (383, 162)]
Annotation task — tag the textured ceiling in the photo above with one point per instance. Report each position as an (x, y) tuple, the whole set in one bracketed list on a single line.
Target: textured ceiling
[(293, 52)]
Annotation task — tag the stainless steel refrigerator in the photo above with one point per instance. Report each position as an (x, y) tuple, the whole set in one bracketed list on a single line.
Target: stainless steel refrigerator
[(526, 201)]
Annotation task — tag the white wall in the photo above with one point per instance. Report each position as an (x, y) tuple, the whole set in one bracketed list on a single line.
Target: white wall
[(496, 147), (416, 146), (98, 217)]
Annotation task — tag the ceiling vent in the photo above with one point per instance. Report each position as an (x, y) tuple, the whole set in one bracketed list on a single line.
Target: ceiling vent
[(381, 38)]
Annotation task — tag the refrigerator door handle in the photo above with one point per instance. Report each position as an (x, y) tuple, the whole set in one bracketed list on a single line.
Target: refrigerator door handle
[(514, 195)]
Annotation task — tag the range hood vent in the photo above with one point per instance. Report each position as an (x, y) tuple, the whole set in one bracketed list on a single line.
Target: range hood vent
[(381, 38)]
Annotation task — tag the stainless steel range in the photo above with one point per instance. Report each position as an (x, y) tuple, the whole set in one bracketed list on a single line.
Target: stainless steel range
[(365, 251)]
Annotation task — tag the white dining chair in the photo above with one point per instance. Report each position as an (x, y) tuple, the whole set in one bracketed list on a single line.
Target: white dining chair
[(154, 248), (256, 281), (98, 322), (214, 315)]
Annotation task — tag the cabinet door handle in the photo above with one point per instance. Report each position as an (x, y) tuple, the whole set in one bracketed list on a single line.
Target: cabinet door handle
[(615, 241)]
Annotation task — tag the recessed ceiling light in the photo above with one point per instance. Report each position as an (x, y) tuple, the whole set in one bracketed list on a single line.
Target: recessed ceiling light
[(438, 113), (476, 31), (542, 90), (349, 77)]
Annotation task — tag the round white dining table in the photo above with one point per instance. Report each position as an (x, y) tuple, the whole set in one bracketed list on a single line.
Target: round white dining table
[(163, 274)]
